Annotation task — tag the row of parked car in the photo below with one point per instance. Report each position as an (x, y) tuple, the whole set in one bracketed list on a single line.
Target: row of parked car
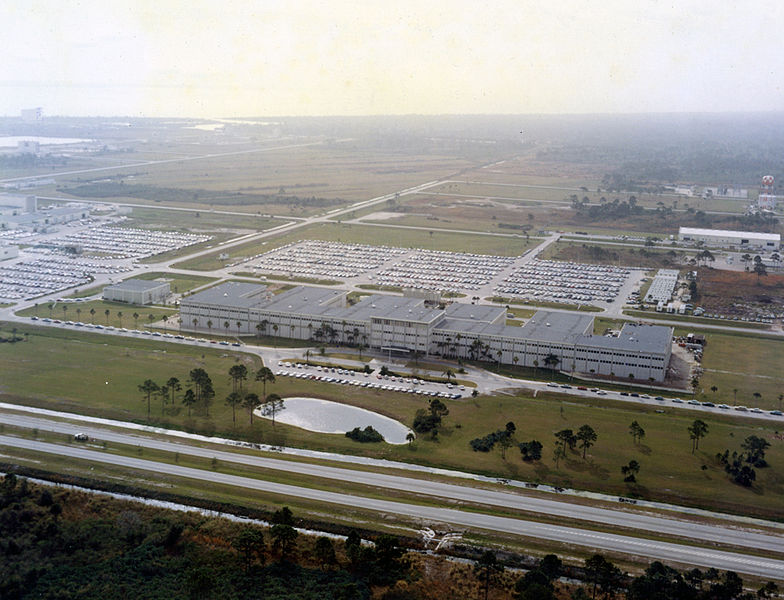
[(776, 413), (361, 379)]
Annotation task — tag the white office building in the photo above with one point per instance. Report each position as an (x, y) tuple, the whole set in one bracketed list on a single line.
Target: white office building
[(138, 291), (407, 325), (730, 239)]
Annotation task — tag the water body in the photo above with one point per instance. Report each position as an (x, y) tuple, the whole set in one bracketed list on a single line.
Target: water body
[(11, 141), (324, 416)]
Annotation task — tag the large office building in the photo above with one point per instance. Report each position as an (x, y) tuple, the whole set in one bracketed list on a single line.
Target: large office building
[(137, 291), (408, 325), (730, 239)]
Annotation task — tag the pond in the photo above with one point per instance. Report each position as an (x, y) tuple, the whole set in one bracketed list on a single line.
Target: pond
[(324, 416)]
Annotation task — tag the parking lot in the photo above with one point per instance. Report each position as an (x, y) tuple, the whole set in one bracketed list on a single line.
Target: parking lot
[(316, 258), (127, 242), (567, 282), (374, 381), (444, 271), (30, 278)]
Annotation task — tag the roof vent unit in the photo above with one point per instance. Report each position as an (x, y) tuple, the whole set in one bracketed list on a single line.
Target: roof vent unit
[(547, 324)]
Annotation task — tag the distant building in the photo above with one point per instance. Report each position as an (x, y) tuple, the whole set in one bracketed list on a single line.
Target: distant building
[(726, 192), (138, 291), (42, 219), (27, 147), (7, 252), (730, 239), (662, 286), (766, 202), (32, 115), (407, 326)]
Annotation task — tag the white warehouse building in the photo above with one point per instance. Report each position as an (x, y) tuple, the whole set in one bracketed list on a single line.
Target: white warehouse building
[(137, 291), (406, 325), (724, 238)]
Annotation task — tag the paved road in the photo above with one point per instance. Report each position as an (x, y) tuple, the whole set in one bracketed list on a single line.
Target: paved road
[(670, 552), (742, 537)]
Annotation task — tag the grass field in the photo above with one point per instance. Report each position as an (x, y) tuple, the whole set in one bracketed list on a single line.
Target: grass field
[(341, 172), (367, 234), (201, 221), (608, 254), (68, 370), (81, 312), (745, 363), (653, 315), (178, 283)]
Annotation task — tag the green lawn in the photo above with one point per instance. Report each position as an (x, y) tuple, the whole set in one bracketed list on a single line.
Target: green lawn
[(80, 311), (69, 370), (178, 283), (745, 363)]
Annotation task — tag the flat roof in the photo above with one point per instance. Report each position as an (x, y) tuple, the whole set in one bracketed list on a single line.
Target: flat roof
[(773, 237), (634, 337), (303, 299), (552, 326), (136, 285), (474, 312), (231, 294), (399, 308)]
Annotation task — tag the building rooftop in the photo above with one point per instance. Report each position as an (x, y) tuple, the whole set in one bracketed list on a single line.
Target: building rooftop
[(474, 312), (395, 307), (773, 237), (137, 285), (551, 326), (305, 300), (231, 294), (634, 336)]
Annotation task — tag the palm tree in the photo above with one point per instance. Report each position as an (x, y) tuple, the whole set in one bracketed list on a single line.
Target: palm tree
[(449, 373), (551, 360), (78, 314), (120, 316), (195, 323), (92, 316), (65, 310), (135, 320), (151, 318), (410, 437), (209, 326), (515, 359), (239, 324), (165, 321), (226, 325), (265, 374)]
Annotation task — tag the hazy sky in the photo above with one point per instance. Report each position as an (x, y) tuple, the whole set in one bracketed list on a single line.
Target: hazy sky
[(253, 58)]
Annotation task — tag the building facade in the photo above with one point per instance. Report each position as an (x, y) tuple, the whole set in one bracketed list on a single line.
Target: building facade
[(557, 340), (138, 291), (729, 239)]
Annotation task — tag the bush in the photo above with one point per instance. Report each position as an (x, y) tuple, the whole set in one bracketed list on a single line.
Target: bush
[(485, 444), (368, 434)]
